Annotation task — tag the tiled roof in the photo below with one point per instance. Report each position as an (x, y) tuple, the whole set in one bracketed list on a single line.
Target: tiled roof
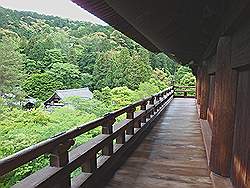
[(81, 92)]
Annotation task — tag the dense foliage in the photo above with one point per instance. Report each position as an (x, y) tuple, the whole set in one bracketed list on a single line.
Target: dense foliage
[(40, 54)]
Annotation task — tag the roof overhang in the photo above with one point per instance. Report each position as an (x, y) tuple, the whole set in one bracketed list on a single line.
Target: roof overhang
[(182, 29)]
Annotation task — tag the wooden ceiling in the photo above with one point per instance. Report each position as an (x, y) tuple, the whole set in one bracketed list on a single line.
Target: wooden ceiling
[(182, 29)]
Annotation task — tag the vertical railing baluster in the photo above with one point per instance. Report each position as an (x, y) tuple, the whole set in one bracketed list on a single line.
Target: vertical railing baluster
[(121, 138), (162, 99), (90, 165), (157, 99), (137, 124), (59, 157), (107, 128), (130, 115), (143, 107), (185, 94), (151, 102)]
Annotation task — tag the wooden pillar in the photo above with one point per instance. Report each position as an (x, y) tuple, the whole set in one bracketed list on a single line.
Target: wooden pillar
[(204, 94), (224, 103), (198, 85)]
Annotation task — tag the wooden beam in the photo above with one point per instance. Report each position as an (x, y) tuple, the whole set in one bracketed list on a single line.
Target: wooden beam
[(224, 104), (204, 92)]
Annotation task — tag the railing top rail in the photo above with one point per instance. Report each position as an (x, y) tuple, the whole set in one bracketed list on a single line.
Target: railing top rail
[(184, 86), (46, 146)]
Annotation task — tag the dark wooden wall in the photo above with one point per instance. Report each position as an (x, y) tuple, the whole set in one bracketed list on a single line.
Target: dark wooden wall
[(241, 149), (228, 106), (211, 73)]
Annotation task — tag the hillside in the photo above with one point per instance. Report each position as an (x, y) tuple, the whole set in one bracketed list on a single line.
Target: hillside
[(46, 45)]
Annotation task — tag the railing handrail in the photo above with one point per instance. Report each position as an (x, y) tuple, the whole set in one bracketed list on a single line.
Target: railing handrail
[(184, 86), (47, 146), (185, 90)]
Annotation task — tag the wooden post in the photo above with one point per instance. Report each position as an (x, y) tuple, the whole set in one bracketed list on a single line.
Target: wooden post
[(151, 102), (196, 88), (224, 104), (198, 83), (121, 138), (59, 158), (143, 107), (204, 94), (90, 165), (157, 99), (130, 115), (137, 124), (185, 94), (107, 128)]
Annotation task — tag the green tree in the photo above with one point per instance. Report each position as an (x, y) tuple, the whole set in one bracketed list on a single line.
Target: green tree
[(93, 45), (37, 46), (41, 86), (67, 74), (54, 56), (163, 62), (92, 106), (10, 67), (121, 96), (180, 73), (188, 80), (87, 80), (146, 89), (119, 68), (103, 95), (160, 79), (31, 66)]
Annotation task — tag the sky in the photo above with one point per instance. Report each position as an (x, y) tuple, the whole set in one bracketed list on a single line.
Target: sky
[(61, 8)]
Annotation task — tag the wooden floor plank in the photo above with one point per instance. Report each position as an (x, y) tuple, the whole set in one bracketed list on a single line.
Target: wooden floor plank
[(171, 156)]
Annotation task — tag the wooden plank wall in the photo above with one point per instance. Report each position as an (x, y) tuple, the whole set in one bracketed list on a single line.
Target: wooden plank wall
[(221, 146), (241, 149), (211, 72), (228, 108)]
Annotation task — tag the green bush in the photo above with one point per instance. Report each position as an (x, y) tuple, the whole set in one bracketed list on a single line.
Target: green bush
[(21, 129)]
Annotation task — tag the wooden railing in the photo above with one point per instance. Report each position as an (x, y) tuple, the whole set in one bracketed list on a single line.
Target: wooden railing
[(184, 91), (116, 142)]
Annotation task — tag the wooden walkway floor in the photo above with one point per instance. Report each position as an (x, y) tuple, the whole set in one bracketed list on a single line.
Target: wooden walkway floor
[(171, 156)]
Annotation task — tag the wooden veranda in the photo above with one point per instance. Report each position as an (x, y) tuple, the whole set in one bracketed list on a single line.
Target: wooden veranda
[(171, 155)]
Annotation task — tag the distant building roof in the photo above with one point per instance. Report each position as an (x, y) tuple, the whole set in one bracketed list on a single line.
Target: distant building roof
[(7, 95), (30, 100), (63, 94), (81, 92)]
